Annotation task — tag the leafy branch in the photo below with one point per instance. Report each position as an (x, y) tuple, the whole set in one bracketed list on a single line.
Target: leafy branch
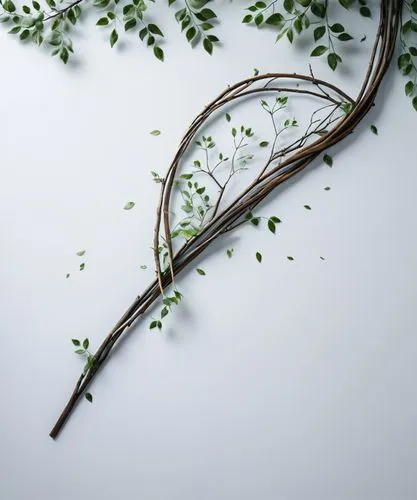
[(336, 117)]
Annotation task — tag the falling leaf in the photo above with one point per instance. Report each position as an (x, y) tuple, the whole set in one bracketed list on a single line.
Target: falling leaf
[(129, 205)]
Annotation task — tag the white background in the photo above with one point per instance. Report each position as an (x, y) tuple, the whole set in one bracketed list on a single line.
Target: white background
[(285, 380)]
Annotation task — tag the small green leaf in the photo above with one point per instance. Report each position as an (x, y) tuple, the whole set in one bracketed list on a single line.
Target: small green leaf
[(80, 253), (86, 343), (263, 144), (319, 51), (88, 397), (158, 53), (271, 226), (307, 207), (82, 266), (327, 188), (113, 38), (155, 132), (289, 257), (328, 160), (76, 342), (229, 252), (258, 257), (200, 271), (129, 205), (374, 129), (79, 351)]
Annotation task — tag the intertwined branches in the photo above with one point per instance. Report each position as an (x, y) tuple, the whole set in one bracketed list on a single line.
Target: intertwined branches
[(336, 117)]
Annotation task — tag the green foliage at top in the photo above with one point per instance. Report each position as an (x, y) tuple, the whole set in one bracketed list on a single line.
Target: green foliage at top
[(52, 22)]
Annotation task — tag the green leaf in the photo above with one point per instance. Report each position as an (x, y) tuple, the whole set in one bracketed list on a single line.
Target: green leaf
[(208, 46), (82, 266), (158, 53), (307, 207), (319, 51), (155, 132), (258, 257), (332, 60), (86, 343), (289, 257), (345, 37), (229, 252), (130, 24), (80, 253), (76, 342), (275, 19), (374, 129), (263, 144), (414, 102), (337, 28), (365, 12), (129, 205), (79, 351), (154, 29), (271, 226), (319, 32), (200, 271), (113, 38), (328, 160), (88, 397), (9, 6)]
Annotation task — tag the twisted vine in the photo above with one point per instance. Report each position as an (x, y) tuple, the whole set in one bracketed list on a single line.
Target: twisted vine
[(281, 165)]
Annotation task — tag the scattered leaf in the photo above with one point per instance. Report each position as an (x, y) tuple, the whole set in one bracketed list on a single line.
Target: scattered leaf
[(328, 160), (374, 129), (82, 266), (88, 397), (259, 257), (129, 205), (156, 132), (200, 271)]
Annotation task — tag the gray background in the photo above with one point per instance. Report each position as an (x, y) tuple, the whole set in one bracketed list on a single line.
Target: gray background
[(284, 380)]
